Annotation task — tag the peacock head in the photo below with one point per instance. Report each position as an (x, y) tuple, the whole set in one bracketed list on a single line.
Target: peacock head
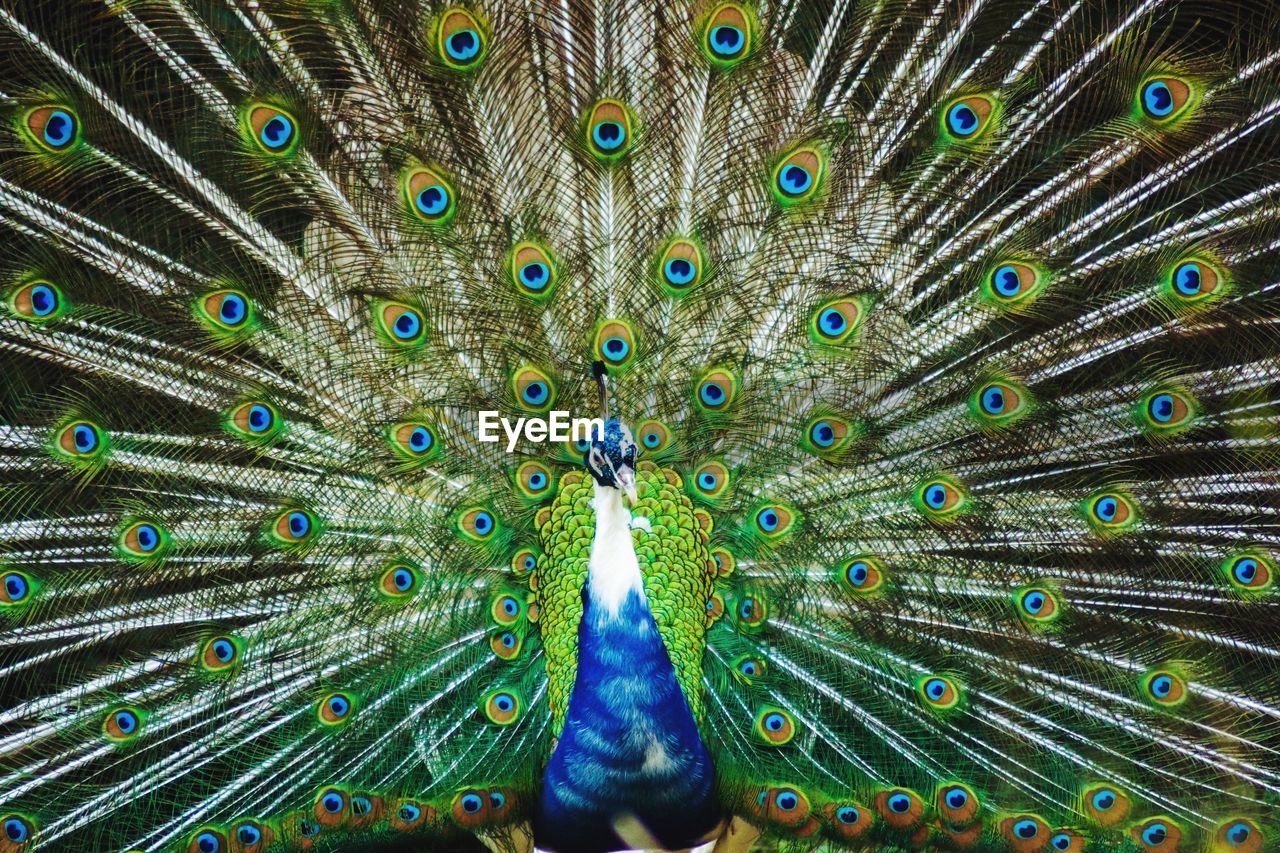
[(611, 458)]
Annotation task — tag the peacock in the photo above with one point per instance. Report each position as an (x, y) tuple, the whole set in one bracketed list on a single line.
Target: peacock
[(921, 488)]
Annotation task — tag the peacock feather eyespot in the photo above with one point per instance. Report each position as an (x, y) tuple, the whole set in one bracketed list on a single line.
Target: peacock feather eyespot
[(272, 130), (784, 805), (460, 40), (477, 524), (715, 608), (408, 815), (501, 707), (826, 435), (413, 441), (999, 403), (221, 654), (775, 727), (255, 421), (1105, 804), (506, 644), (939, 692), (1067, 841), (773, 521), (941, 498), (847, 820), (1239, 834), (81, 441), (653, 436), (366, 809), (716, 390), (19, 830), (227, 313), (1037, 605), (142, 541), (863, 574), (724, 561), (16, 588), (533, 479), (399, 324), (534, 390), (335, 709), (332, 806), (609, 130), (1163, 99), (749, 669), (37, 301), (533, 270), (836, 322), (53, 127), (399, 580), (477, 807), (1164, 688), (615, 343), (506, 609), (751, 611), (208, 839), (1025, 832), (429, 195), (1194, 282), (123, 723), (1165, 411), (900, 808), (680, 266), (1251, 571), (957, 803), (525, 562), (251, 835), (799, 175), (727, 35), (1110, 511), (1158, 835), (293, 528), (1013, 285), (968, 119), (710, 480)]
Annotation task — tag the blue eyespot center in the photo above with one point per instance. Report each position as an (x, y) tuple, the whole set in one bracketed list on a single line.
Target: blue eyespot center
[(504, 702), (679, 271), (1239, 833), (432, 200), (847, 815), (1061, 841), (774, 722), (463, 45), (1026, 829), (16, 830), (786, 800), (823, 434), (1033, 602), (1161, 408), (530, 563), (1006, 280), (43, 300), (420, 440), (277, 132), (332, 802), (403, 579), (126, 721), (260, 418), (299, 524), (339, 705), (768, 520), (747, 667), (962, 120), (85, 438), (993, 400), (935, 496), (207, 842), (1161, 686), (510, 606), (616, 348), (726, 41), (497, 799), (535, 392), (706, 481), (1104, 800), (147, 537), (1106, 508), (1157, 99), (957, 797), (471, 803), (936, 688), (858, 572), (232, 311), (407, 325), (535, 275), (1245, 570), (248, 834), (361, 805), (1187, 278), (608, 135), (712, 394), (651, 440), (1155, 834), (794, 180), (59, 129), (483, 522), (223, 650), (15, 586), (899, 803), (409, 812)]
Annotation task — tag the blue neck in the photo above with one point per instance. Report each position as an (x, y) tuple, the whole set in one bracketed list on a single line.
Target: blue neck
[(630, 753)]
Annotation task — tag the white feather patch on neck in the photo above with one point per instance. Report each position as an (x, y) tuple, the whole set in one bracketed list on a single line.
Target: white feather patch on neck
[(613, 572)]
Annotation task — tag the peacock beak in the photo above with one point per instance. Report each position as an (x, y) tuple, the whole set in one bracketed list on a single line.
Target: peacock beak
[(626, 478)]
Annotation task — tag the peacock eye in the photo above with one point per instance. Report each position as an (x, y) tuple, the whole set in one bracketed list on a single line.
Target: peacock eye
[(477, 523), (716, 390), (256, 420), (797, 177), (786, 800), (532, 269), (1165, 688), (1061, 841), (17, 829), (293, 527), (615, 343), (142, 539), (966, 119), (412, 441), (680, 266), (999, 403), (333, 801), (847, 814), (471, 803), (939, 692), (653, 435), (727, 35), (398, 580), (248, 834), (408, 812), (219, 653), (429, 195), (775, 727), (506, 610), (533, 388), (461, 40), (53, 127), (524, 562), (1162, 98), (711, 479), (208, 841), (899, 803), (505, 645), (1251, 572), (609, 130), (37, 301), (835, 322), (1194, 281), (940, 498), (750, 668), (533, 479), (226, 310), (1014, 284), (502, 707), (335, 709), (862, 574), (1154, 833), (826, 435), (957, 797), (1164, 411), (273, 129), (1110, 511), (752, 611), (1037, 604), (122, 724), (15, 588), (399, 324), (1026, 829), (1236, 832), (773, 520)]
